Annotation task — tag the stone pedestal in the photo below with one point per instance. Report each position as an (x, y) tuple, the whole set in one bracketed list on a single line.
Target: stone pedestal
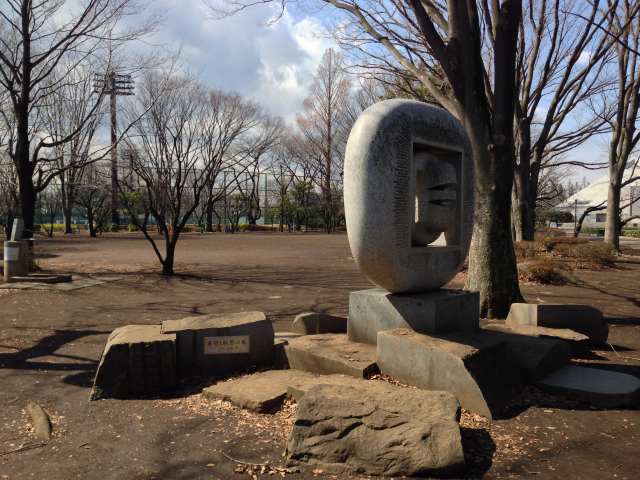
[(441, 311), (13, 264)]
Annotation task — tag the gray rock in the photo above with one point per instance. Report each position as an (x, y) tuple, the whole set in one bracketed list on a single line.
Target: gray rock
[(310, 323), (219, 345), (408, 180), (536, 356), (265, 392), (374, 310), (603, 388), (331, 353), (475, 367), (535, 331), (281, 340), (138, 360), (579, 318), (378, 429)]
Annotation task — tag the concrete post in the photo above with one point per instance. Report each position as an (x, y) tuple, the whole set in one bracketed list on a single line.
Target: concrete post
[(13, 264)]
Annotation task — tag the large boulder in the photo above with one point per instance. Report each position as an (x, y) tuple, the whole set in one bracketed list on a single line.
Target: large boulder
[(379, 429), (138, 360), (579, 318)]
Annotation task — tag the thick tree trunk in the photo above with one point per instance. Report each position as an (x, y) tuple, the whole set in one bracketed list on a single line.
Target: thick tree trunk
[(492, 263), (28, 198), (612, 226)]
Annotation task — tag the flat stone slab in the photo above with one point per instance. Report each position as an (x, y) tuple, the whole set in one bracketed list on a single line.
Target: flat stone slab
[(77, 282), (311, 323), (331, 353), (375, 310), (221, 344), (377, 429), (603, 388), (41, 278), (579, 318), (536, 356), (138, 360), (476, 368), (536, 331), (264, 392), (207, 322)]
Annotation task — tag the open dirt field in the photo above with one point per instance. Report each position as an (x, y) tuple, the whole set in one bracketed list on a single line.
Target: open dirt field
[(50, 343)]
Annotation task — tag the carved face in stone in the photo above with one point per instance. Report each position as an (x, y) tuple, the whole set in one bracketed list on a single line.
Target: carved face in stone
[(408, 181), (435, 199)]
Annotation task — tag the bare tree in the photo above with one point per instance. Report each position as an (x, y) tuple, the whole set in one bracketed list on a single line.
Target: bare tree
[(39, 39), (70, 109), (624, 24), (93, 196), (255, 152), (324, 123), (228, 120), (170, 173), (561, 68)]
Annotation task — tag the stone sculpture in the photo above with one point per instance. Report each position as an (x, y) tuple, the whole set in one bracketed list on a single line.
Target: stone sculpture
[(408, 181), (408, 190)]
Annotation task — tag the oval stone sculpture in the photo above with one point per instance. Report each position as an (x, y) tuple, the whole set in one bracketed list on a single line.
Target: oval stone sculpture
[(408, 195)]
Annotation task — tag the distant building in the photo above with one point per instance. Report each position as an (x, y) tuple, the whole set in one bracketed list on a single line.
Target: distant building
[(596, 193)]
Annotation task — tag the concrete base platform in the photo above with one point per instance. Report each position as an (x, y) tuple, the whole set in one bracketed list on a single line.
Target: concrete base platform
[(264, 392), (475, 367), (602, 388), (331, 353), (375, 310)]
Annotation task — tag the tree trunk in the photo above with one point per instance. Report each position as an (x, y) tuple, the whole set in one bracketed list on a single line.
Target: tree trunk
[(28, 197), (66, 213), (90, 220), (170, 251), (492, 263), (612, 226)]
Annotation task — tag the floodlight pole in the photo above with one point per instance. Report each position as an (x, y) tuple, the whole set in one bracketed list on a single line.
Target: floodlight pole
[(114, 84)]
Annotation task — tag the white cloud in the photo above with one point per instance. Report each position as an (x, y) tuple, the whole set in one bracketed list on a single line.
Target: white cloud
[(269, 63)]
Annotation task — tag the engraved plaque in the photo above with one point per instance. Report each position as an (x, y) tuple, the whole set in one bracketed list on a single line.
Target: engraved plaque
[(226, 345)]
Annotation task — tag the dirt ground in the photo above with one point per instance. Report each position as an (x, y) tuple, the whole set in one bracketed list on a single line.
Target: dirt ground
[(50, 343)]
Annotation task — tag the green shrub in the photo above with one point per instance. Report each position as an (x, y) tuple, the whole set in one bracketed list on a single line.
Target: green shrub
[(631, 232), (593, 231), (132, 227)]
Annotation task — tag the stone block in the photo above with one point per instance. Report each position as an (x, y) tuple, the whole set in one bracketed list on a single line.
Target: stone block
[(536, 353), (331, 353), (311, 323), (218, 345), (138, 360), (281, 340), (580, 318), (375, 310), (600, 387), (264, 392), (377, 429), (475, 366)]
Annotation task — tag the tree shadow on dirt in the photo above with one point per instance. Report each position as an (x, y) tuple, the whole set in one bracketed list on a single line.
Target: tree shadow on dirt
[(25, 359)]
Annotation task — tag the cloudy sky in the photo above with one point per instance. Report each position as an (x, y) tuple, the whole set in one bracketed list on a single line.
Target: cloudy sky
[(272, 63)]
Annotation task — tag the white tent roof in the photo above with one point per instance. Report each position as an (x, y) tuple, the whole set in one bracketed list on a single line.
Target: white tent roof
[(596, 192)]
